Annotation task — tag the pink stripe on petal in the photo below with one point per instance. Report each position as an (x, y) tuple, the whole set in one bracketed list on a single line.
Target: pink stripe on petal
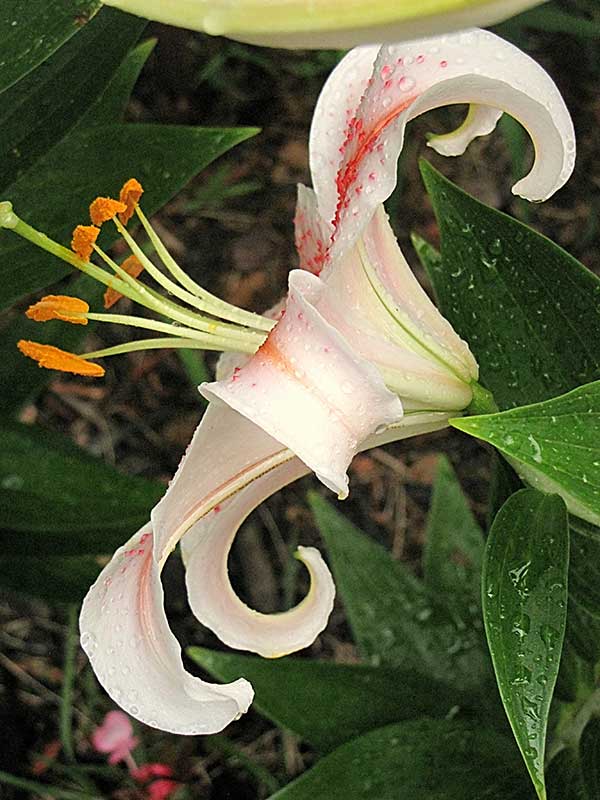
[(308, 390), (136, 658), (212, 598), (407, 79)]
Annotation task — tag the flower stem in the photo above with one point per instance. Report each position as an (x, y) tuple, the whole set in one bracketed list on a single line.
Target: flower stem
[(482, 403), (66, 706)]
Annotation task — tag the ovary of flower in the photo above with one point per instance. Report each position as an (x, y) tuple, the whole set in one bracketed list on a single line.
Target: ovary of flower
[(356, 356), (324, 23)]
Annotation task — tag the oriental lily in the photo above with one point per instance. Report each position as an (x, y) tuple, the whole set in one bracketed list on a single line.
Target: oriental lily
[(356, 356), (323, 23)]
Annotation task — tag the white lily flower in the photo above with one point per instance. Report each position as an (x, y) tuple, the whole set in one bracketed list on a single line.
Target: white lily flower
[(357, 356), (323, 23)]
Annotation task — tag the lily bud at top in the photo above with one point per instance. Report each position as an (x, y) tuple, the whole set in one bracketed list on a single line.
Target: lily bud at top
[(323, 23)]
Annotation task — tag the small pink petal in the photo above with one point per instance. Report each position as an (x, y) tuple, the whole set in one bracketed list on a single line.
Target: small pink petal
[(145, 772), (114, 736), (162, 789)]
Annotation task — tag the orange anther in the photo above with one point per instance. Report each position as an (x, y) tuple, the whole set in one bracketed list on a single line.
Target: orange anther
[(69, 309), (130, 195), (132, 266), (105, 208), (84, 237), (53, 358)]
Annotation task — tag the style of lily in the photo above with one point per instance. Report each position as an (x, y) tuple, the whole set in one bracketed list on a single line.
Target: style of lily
[(323, 23), (356, 356)]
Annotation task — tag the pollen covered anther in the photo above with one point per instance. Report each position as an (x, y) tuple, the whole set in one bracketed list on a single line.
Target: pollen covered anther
[(130, 195), (84, 238), (104, 208), (132, 266), (52, 357), (68, 309)]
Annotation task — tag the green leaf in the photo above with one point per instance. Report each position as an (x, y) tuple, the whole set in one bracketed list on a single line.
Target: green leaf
[(529, 311), (553, 445), (589, 754), (30, 32), (454, 545), (92, 162), (555, 20), (56, 499), (327, 704), (524, 606), (504, 482), (55, 579), (394, 619), (416, 760), (40, 110), (23, 375), (111, 104)]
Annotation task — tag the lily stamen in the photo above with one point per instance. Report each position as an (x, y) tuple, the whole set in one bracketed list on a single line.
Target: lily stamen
[(54, 358), (221, 327), (134, 269)]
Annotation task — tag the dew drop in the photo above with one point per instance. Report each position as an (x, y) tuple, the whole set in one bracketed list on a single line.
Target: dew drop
[(406, 83)]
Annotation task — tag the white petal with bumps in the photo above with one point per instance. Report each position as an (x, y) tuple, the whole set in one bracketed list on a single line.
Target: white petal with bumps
[(308, 389), (355, 145), (136, 658)]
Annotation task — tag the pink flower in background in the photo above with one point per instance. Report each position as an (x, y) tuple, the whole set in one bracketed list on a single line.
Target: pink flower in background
[(148, 771), (161, 789), (115, 737)]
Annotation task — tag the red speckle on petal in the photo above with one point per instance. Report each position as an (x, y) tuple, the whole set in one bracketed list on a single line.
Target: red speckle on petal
[(443, 64), (144, 538), (236, 374), (420, 59), (217, 509)]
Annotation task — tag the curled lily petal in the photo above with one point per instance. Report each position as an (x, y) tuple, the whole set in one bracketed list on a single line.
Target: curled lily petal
[(480, 121), (356, 171), (212, 598), (137, 659), (322, 23), (308, 389), (214, 490)]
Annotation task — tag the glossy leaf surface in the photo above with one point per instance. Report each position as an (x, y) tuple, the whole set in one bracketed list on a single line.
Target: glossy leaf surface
[(56, 499), (454, 543), (554, 445), (524, 607), (529, 311), (92, 162), (424, 759), (325, 703), (30, 32), (38, 111), (394, 619)]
